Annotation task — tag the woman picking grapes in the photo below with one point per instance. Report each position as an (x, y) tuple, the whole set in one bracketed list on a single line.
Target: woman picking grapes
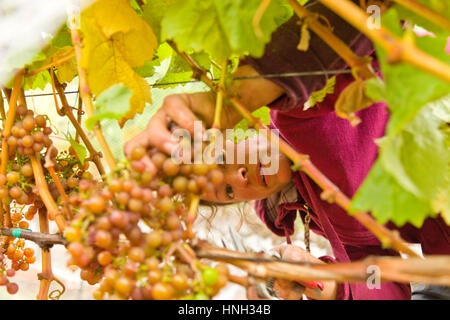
[(343, 153)]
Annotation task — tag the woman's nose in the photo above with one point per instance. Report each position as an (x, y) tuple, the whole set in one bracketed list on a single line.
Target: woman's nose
[(242, 175)]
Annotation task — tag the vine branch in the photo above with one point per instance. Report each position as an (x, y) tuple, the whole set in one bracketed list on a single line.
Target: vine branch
[(53, 210), (42, 239), (360, 64), (433, 270), (67, 110), (396, 48)]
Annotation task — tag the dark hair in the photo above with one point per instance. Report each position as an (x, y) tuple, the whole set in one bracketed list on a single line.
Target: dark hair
[(214, 208)]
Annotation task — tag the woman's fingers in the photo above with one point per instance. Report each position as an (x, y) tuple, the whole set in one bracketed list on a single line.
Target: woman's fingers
[(291, 252), (288, 290), (159, 134), (178, 110), (140, 140), (252, 294)]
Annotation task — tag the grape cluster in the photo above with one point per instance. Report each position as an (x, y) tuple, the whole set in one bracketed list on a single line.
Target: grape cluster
[(18, 190), (29, 133), (126, 230), (11, 287)]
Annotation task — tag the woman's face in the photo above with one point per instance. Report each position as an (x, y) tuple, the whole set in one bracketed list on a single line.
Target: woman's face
[(253, 178)]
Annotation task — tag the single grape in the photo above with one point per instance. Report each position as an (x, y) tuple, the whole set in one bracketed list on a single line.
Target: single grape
[(137, 254), (104, 258), (170, 167), (13, 177), (21, 110), (28, 252), (15, 192), (180, 184), (165, 190), (123, 286), (118, 219), (162, 291), (165, 204), (40, 121), (24, 224), (154, 239), (158, 159), (10, 273), (210, 276), (103, 239), (200, 169), (137, 153), (97, 204), (135, 205), (154, 276), (115, 185), (28, 123), (12, 288), (216, 176), (179, 281)]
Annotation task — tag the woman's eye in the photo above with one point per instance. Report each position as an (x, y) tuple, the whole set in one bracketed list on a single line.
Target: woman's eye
[(229, 191)]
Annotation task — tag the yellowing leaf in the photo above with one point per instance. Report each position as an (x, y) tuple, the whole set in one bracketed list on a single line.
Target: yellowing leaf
[(352, 99), (303, 45), (319, 95), (116, 40), (114, 16), (68, 70)]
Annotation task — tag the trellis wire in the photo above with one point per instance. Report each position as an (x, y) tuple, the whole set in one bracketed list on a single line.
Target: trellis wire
[(263, 76)]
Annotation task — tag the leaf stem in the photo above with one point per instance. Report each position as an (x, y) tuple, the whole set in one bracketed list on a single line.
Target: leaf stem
[(361, 64), (258, 16), (397, 49), (53, 210), (219, 98), (53, 64), (67, 110)]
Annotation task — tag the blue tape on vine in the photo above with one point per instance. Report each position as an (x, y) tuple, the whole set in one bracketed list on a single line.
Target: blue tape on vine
[(16, 233)]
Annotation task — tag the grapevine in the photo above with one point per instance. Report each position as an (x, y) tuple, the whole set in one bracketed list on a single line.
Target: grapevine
[(129, 229)]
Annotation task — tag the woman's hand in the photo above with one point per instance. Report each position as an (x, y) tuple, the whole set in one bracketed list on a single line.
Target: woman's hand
[(178, 108), (290, 290)]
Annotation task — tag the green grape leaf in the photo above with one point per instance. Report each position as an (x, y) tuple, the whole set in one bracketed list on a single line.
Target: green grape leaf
[(153, 13), (376, 89), (38, 81), (409, 88), (221, 28), (148, 69), (173, 79), (80, 150), (418, 156), (62, 38), (388, 201), (240, 130), (113, 103)]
